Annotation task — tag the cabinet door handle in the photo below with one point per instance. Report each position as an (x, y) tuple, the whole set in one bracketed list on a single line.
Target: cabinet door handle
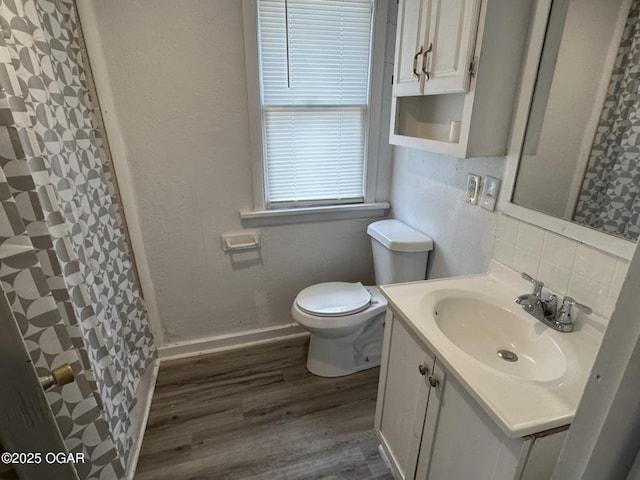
[(424, 61), (434, 381), (423, 369), (415, 62)]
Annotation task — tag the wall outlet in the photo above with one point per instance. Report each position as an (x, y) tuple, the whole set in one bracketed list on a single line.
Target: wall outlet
[(490, 192), (473, 189)]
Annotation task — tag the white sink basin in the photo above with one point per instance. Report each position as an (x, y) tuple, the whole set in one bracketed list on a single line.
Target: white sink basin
[(466, 321), (497, 337)]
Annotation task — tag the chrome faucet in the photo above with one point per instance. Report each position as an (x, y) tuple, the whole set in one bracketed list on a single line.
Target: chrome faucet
[(546, 309)]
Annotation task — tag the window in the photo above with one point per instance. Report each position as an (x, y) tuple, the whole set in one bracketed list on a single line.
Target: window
[(314, 76)]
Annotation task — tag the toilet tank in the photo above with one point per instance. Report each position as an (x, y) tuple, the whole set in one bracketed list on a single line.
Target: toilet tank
[(400, 252)]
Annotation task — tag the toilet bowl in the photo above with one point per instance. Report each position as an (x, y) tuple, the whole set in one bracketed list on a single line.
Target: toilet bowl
[(346, 320), (346, 325)]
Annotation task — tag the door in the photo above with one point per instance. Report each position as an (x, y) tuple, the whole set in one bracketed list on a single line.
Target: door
[(403, 396), (460, 441), (27, 426), (408, 78), (450, 45)]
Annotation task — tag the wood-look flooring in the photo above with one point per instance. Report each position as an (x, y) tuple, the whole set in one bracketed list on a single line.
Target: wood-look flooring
[(257, 414)]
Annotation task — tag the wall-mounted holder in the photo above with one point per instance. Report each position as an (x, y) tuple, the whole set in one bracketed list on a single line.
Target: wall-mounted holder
[(233, 242)]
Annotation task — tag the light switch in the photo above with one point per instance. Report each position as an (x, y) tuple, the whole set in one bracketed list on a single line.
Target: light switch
[(490, 192), (473, 189)]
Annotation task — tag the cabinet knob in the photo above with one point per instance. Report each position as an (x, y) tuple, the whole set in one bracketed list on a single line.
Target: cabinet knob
[(423, 369), (434, 381)]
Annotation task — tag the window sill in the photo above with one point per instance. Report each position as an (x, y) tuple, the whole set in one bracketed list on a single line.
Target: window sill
[(262, 218)]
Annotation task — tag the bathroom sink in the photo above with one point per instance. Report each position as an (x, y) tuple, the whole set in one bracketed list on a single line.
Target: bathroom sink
[(497, 337), (473, 328)]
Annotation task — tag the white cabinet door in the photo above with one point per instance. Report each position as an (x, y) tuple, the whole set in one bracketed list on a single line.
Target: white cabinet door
[(412, 18), (460, 441), (434, 46), (452, 33), (403, 396)]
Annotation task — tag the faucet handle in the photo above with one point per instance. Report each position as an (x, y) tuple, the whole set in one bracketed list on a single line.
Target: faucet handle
[(537, 285), (564, 313), (570, 302)]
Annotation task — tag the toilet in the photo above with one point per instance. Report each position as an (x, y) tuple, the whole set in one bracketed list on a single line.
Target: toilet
[(346, 320)]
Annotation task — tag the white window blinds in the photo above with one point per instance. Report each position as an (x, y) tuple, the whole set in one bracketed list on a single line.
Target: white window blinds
[(314, 57)]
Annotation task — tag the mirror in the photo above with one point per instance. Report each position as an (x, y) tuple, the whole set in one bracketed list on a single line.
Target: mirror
[(580, 158)]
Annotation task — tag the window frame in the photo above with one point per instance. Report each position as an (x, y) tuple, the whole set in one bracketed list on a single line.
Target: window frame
[(371, 206)]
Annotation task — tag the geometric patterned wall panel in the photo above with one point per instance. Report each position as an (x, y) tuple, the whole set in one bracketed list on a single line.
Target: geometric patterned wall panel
[(62, 192), (30, 276), (609, 199), (46, 330)]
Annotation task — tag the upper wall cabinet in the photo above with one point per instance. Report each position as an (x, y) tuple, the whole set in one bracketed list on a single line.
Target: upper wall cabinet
[(434, 46), (457, 68)]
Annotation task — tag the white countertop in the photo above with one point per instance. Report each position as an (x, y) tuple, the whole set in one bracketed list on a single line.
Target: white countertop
[(519, 407)]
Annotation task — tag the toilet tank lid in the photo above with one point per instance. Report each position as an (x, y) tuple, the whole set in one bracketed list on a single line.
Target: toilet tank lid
[(397, 236)]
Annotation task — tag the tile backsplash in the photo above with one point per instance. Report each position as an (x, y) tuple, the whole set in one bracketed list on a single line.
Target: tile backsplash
[(566, 266)]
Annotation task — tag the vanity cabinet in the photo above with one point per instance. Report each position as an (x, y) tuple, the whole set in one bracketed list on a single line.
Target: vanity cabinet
[(457, 61), (429, 426)]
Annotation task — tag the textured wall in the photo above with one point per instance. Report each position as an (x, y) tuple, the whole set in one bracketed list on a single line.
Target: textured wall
[(428, 193), (177, 71)]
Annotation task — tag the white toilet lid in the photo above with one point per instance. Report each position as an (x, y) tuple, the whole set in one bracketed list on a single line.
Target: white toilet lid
[(333, 299)]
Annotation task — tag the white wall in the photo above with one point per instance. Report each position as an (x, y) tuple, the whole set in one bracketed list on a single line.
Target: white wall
[(428, 193), (176, 71)]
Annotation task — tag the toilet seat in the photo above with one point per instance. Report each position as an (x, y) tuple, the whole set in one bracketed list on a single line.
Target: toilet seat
[(333, 299)]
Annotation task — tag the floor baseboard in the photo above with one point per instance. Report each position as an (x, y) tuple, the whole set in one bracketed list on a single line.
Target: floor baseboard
[(141, 411), (229, 342)]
